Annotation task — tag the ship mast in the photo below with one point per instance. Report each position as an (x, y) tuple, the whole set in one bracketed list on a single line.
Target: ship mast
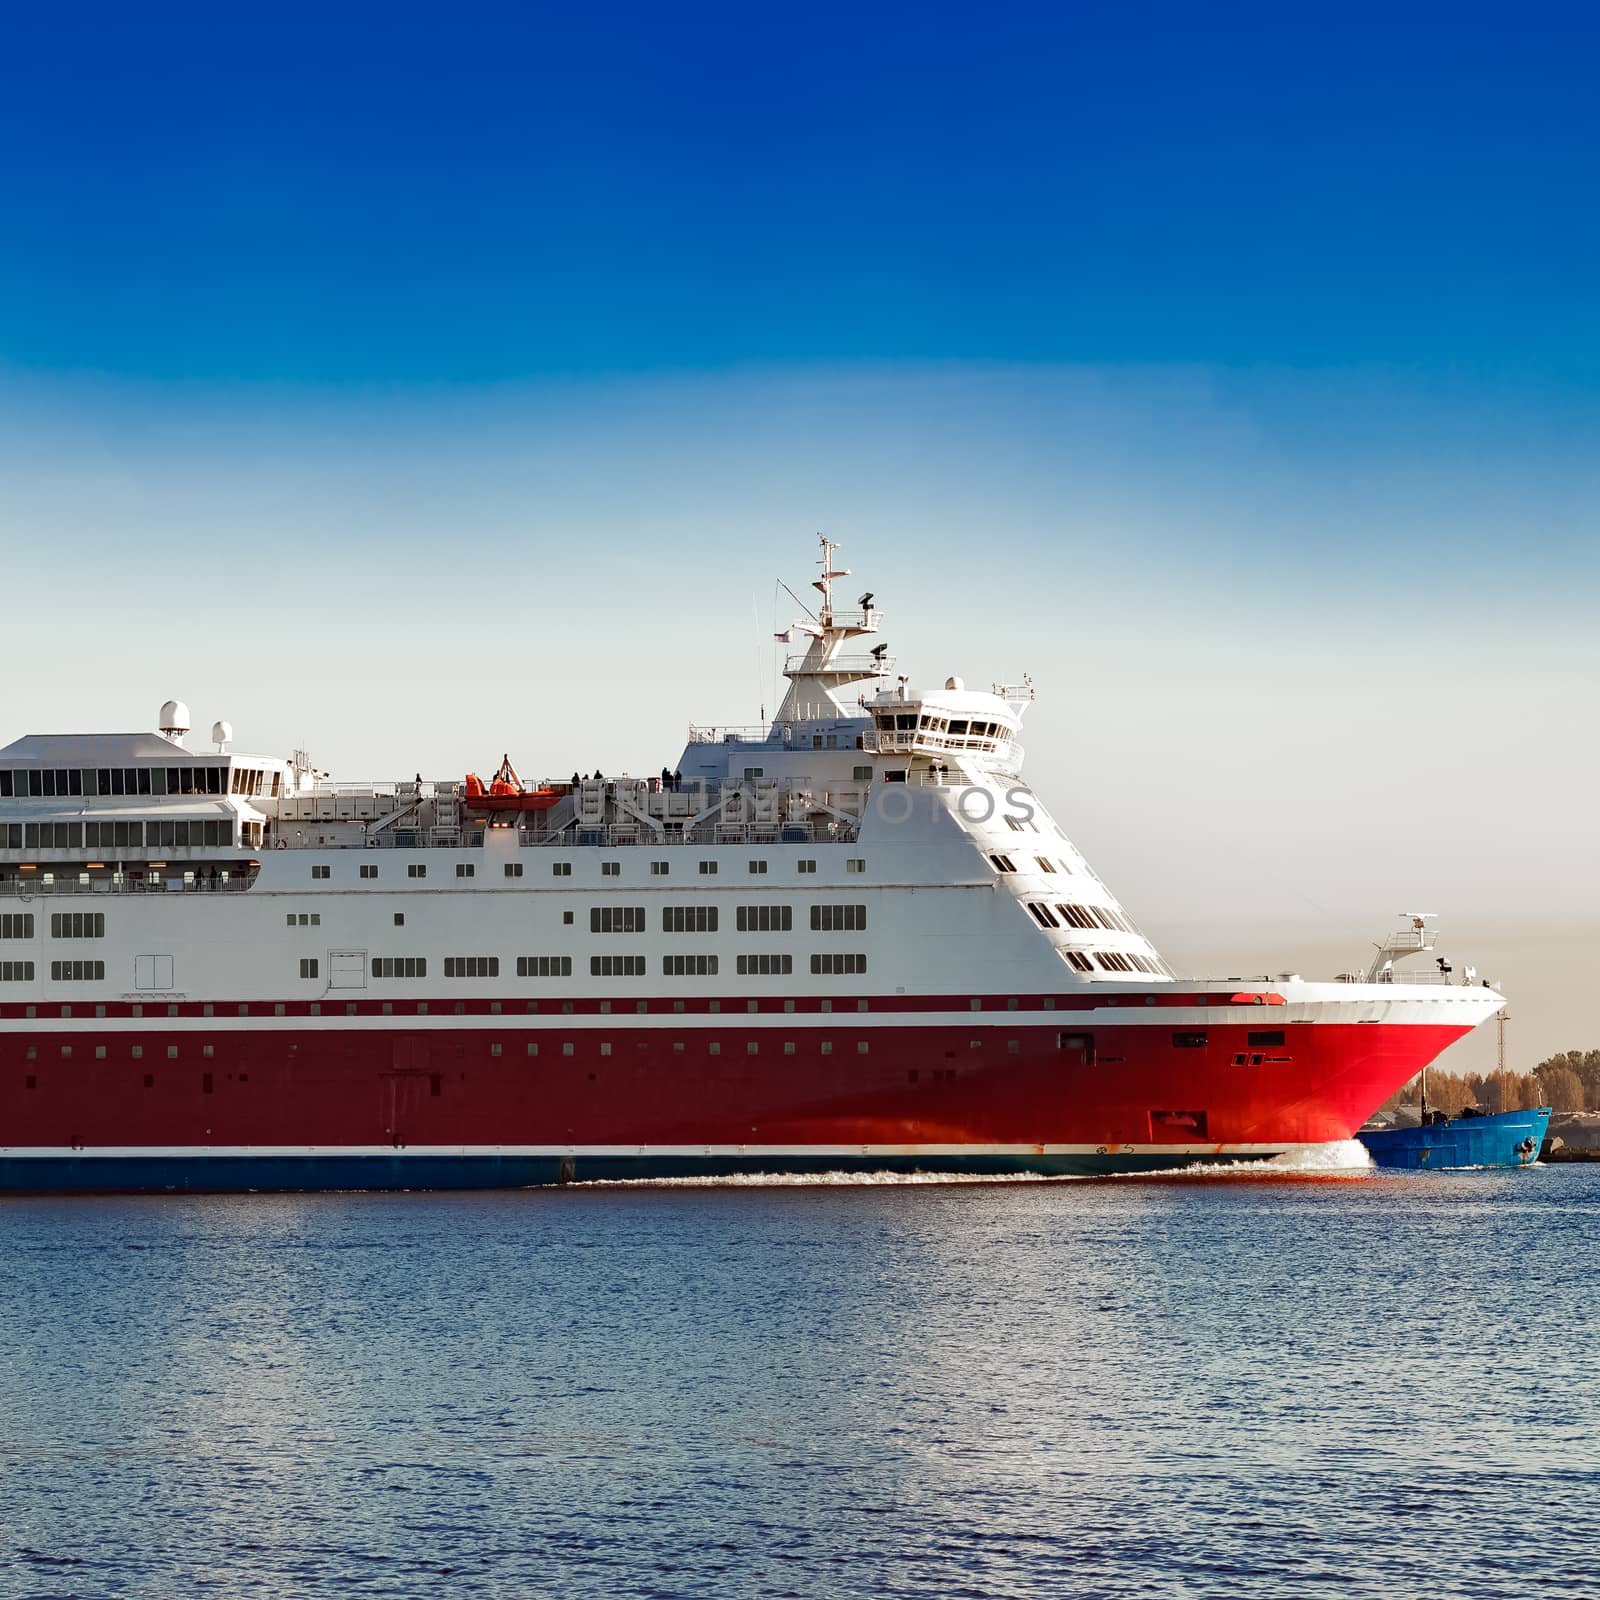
[(818, 676)]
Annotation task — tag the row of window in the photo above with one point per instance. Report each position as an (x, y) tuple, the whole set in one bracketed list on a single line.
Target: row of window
[(16, 972), (16, 925), (472, 966), (1079, 917), (77, 924), (77, 971), (497, 1008), (1110, 961), (831, 964), (115, 835), (558, 869), (23, 783), (390, 967)]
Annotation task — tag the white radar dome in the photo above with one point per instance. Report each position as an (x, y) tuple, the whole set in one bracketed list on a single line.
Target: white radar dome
[(221, 733), (174, 718), (954, 683)]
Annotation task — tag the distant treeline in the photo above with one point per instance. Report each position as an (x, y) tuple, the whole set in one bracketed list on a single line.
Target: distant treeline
[(1567, 1081)]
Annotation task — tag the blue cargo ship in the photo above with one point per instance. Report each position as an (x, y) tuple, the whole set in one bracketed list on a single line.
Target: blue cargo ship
[(1473, 1139)]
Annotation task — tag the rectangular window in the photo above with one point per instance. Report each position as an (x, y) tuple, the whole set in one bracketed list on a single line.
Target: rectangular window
[(688, 919), (513, 869), (1078, 961), (417, 869), (855, 864), (616, 966), (610, 869), (764, 919), (805, 866), (834, 963), (466, 869), (308, 966), (1113, 961), (1002, 863), (472, 966), (1080, 1045), (544, 966), (560, 869), (765, 966), (399, 966), (1043, 915), (321, 872), (16, 925), (77, 971), (1265, 1038), (616, 919), (77, 924), (1189, 1041), (689, 966), (838, 919), (1045, 864), (708, 869), (659, 869), (16, 972), (758, 867), (368, 870)]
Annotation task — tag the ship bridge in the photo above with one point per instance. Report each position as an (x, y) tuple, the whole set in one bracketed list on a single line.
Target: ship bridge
[(952, 721)]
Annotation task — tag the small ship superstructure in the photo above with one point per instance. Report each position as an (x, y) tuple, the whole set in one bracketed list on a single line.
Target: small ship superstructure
[(851, 937)]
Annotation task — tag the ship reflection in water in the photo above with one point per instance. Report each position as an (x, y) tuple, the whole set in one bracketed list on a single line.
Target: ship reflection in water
[(1259, 1385)]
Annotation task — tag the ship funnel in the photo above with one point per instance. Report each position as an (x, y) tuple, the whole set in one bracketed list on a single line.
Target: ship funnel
[(174, 722)]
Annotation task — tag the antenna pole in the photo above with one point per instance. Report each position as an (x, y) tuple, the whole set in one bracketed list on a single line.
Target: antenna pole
[(826, 585)]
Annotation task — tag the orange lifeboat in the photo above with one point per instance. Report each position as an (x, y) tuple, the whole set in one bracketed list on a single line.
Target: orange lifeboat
[(506, 792)]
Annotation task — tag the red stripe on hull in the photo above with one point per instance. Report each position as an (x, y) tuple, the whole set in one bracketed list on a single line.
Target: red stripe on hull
[(477, 1085)]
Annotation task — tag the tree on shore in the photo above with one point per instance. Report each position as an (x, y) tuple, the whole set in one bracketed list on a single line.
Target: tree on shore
[(1567, 1081)]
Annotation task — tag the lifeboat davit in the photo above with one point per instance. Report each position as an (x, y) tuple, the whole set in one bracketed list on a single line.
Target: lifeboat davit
[(506, 792)]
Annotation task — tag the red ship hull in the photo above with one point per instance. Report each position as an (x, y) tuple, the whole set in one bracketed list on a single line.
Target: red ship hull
[(439, 1099)]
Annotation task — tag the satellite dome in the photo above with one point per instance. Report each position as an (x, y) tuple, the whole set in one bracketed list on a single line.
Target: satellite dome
[(174, 719), (954, 683), (221, 733)]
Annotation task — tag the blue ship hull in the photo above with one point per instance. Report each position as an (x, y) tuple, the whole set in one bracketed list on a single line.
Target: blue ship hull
[(1507, 1139)]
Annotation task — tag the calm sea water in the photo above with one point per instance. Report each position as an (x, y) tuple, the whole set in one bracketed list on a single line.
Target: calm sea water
[(1245, 1386)]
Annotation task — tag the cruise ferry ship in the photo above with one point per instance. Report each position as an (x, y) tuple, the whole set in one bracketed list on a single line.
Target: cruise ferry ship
[(853, 938)]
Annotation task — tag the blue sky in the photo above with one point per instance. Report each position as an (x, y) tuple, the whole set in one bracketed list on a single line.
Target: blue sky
[(398, 193), (418, 383)]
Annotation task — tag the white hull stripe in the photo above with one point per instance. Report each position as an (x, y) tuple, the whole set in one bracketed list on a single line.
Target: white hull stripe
[(1392, 1012)]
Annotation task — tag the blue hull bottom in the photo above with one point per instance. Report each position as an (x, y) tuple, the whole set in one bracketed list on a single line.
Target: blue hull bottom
[(212, 1174), (1507, 1139)]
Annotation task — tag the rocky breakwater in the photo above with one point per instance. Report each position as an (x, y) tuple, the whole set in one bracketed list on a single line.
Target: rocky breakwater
[(1572, 1136)]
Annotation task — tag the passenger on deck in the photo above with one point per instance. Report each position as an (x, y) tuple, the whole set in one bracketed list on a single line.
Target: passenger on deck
[(677, 780)]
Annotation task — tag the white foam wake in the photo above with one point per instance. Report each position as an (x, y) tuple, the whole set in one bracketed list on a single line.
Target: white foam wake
[(811, 1180), (1340, 1158)]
